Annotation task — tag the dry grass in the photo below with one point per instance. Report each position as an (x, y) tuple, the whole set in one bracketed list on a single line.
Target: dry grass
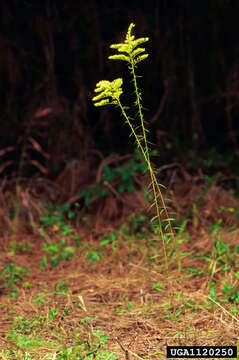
[(126, 295)]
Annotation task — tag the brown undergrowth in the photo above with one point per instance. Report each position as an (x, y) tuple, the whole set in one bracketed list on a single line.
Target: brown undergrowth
[(124, 293)]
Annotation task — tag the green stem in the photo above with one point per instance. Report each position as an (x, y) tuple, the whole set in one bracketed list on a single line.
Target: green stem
[(154, 183), (145, 152)]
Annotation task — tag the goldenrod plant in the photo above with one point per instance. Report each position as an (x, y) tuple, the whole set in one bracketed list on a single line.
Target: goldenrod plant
[(109, 93)]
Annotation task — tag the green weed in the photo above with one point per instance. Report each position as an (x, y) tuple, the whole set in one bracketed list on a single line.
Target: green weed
[(124, 175), (60, 288), (40, 300), (109, 93), (55, 218), (10, 275), (24, 248), (24, 338), (56, 252)]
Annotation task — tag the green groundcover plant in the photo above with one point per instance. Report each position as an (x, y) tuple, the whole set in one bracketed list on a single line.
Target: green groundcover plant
[(109, 93)]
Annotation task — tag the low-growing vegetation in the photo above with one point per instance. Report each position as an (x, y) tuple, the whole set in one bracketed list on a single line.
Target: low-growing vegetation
[(119, 271)]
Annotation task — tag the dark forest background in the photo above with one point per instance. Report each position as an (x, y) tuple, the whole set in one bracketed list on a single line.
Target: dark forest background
[(54, 52)]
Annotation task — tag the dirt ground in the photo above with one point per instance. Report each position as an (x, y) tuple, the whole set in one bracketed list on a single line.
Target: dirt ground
[(141, 304)]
